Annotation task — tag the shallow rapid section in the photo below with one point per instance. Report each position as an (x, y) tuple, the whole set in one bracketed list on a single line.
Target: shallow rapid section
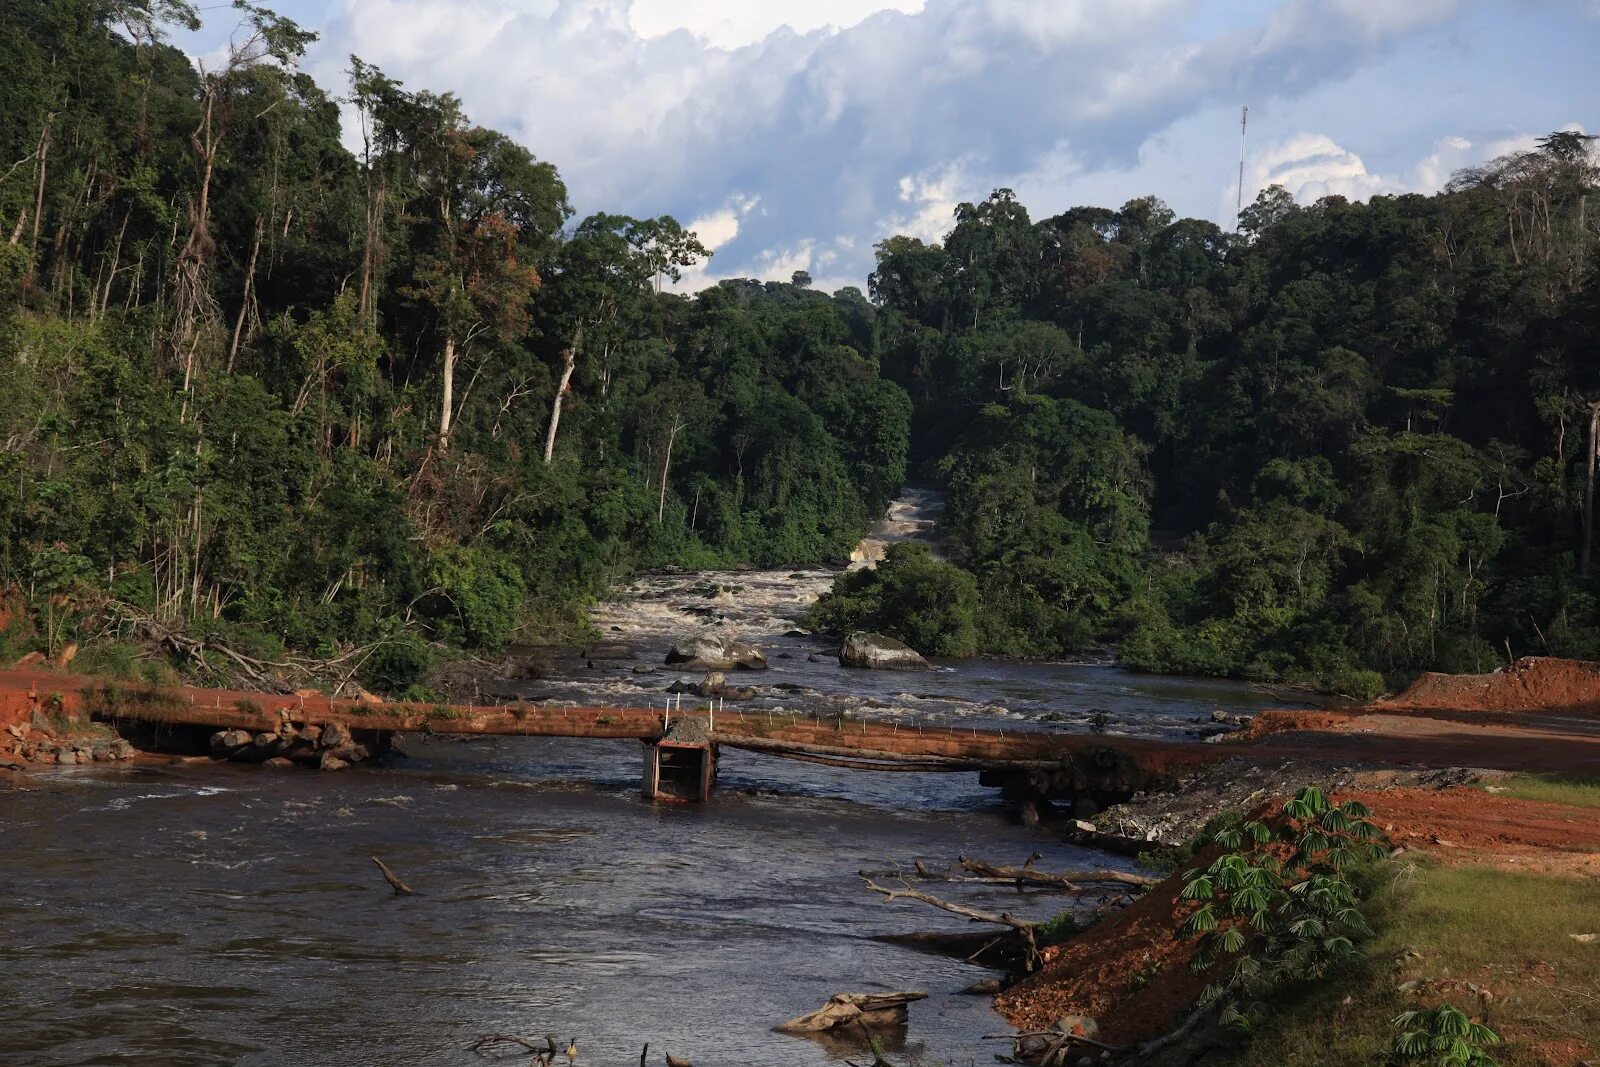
[(626, 665), (915, 515)]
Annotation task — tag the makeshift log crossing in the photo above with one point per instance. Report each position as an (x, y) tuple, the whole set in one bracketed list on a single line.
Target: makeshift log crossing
[(683, 745)]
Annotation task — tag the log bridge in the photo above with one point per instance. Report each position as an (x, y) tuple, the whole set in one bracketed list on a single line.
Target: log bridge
[(1085, 771)]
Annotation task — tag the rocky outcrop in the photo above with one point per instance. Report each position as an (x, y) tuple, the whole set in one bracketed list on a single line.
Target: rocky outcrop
[(67, 739), (879, 653), (709, 653)]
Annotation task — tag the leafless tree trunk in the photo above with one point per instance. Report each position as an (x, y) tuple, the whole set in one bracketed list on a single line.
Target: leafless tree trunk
[(249, 293), (1588, 487), (666, 466), (41, 167), (569, 360), (449, 393)]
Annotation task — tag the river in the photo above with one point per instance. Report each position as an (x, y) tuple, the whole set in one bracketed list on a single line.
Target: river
[(209, 915)]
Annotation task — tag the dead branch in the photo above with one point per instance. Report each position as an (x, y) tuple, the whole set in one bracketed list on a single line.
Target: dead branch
[(1068, 880), (1026, 930), (399, 887), (1149, 1049), (489, 1040)]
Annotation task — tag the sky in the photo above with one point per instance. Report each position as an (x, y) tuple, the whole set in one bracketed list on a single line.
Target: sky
[(795, 134)]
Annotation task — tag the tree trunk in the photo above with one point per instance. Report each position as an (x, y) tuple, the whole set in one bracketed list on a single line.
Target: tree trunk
[(449, 393), (42, 168), (666, 466), (1588, 488), (116, 265), (244, 304), (569, 360)]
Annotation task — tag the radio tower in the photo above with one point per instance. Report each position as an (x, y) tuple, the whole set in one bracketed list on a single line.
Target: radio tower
[(1238, 202)]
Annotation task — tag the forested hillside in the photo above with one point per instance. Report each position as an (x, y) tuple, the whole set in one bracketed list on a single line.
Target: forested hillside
[(1348, 443), (265, 391)]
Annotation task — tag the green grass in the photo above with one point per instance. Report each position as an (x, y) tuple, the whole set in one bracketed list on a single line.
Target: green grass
[(1554, 788), (1505, 932)]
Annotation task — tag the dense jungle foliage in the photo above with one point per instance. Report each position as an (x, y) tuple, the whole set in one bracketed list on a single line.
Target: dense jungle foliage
[(1349, 443), (264, 390)]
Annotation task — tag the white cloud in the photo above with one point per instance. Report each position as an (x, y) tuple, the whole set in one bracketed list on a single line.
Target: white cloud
[(732, 23), (856, 118), (1310, 166)]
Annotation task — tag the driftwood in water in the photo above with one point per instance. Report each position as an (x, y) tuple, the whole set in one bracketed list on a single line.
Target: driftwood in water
[(1055, 1047), (399, 887), (1095, 882), (542, 1054), (850, 1009), (1070, 881), (1026, 930)]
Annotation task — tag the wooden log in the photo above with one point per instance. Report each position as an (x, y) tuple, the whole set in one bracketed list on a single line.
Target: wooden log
[(1068, 880), (849, 1009), (399, 887), (1025, 929)]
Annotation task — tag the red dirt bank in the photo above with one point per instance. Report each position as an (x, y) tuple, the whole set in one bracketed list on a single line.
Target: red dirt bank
[(1131, 973)]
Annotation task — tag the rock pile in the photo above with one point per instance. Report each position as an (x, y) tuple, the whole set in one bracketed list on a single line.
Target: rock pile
[(326, 748), (39, 741)]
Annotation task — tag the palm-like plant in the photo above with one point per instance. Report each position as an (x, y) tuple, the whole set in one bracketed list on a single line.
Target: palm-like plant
[(1279, 921), (1443, 1037)]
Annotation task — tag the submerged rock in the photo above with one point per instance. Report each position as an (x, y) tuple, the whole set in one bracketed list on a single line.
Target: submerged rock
[(879, 653)]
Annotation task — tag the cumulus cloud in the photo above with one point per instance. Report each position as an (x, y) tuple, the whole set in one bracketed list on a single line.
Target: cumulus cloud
[(732, 23), (854, 118), (1310, 166)]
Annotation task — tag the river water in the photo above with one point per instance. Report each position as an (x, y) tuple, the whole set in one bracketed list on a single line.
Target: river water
[(207, 915)]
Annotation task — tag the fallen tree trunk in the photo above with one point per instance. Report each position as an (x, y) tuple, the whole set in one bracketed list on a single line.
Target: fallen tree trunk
[(1026, 930), (953, 763), (1067, 880)]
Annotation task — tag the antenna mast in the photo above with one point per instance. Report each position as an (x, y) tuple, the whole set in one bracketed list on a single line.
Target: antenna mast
[(1238, 203)]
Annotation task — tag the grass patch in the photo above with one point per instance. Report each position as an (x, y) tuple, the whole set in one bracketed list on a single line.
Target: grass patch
[(1508, 933), (1552, 788)]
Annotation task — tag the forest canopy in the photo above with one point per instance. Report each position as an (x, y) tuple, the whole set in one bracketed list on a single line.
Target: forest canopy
[(1346, 444), (262, 387), (276, 393)]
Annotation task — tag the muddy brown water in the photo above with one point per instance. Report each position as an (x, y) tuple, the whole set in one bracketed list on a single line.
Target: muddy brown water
[(211, 915)]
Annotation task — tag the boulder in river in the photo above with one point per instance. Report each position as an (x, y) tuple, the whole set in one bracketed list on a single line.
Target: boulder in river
[(879, 653), (706, 652)]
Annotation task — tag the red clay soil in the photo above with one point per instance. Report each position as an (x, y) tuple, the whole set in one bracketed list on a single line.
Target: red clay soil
[(1131, 974), (1466, 825), (1534, 683), (1097, 972)]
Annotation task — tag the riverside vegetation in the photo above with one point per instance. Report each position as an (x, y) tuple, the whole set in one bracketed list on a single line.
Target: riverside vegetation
[(263, 392)]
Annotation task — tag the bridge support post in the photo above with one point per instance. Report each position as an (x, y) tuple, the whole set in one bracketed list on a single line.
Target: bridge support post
[(680, 771)]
